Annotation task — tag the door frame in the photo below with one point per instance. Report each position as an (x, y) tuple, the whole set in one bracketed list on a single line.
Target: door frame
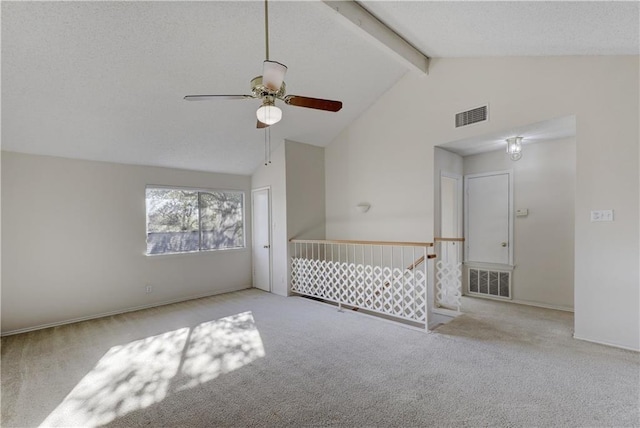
[(253, 276), (509, 173), (460, 201)]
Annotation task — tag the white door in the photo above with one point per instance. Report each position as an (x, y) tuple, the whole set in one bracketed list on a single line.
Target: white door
[(261, 247), (488, 218)]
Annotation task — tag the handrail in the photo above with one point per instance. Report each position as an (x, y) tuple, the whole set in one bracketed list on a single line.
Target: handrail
[(439, 239), (413, 265), (343, 241)]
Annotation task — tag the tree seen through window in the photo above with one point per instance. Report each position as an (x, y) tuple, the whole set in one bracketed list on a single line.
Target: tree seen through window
[(181, 220)]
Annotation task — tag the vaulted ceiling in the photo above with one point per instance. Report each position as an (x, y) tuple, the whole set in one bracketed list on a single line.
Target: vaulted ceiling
[(105, 80)]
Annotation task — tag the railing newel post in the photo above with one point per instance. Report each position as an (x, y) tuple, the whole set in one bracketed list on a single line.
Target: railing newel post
[(402, 262), (426, 290)]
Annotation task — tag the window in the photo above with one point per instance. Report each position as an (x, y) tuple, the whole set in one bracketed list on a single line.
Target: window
[(186, 220)]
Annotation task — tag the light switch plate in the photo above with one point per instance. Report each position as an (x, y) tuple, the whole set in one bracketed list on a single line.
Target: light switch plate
[(602, 215)]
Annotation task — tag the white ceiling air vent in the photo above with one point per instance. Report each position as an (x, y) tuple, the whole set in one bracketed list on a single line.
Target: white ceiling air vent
[(479, 114)]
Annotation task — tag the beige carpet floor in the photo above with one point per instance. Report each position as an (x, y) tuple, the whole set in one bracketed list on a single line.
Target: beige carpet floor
[(254, 359)]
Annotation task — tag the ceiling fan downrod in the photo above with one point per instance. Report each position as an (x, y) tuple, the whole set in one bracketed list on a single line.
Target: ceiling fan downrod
[(267, 130), (266, 28)]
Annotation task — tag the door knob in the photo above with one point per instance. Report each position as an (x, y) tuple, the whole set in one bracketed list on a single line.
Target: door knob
[(504, 244), (266, 246)]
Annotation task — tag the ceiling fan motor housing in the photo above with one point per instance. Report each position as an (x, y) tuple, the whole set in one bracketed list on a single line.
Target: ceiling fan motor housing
[(260, 91)]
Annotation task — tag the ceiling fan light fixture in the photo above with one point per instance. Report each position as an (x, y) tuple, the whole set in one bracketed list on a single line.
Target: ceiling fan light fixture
[(269, 114), (273, 74)]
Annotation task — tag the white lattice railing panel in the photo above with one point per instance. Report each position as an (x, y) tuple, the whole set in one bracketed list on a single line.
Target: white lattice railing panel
[(448, 269), (363, 277), (393, 293), (448, 284)]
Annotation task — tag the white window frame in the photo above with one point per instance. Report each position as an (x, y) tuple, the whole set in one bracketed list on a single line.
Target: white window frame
[(198, 190)]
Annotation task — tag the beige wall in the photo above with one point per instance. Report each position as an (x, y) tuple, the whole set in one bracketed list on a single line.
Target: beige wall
[(296, 178), (73, 242), (305, 191), (386, 156), (543, 183)]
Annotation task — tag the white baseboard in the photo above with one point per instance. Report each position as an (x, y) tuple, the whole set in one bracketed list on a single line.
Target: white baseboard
[(519, 302), (446, 312), (543, 305), (600, 342), (118, 312)]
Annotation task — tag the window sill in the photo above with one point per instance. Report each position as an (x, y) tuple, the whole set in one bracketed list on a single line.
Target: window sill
[(191, 253)]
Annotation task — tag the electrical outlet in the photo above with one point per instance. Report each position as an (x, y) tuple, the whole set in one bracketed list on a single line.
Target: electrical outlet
[(602, 215), (148, 289)]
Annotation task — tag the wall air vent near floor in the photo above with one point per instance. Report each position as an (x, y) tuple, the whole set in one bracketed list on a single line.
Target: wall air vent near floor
[(490, 283), (479, 114)]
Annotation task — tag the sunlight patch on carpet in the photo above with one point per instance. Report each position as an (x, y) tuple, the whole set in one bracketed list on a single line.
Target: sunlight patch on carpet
[(141, 373), (219, 347), (127, 378)]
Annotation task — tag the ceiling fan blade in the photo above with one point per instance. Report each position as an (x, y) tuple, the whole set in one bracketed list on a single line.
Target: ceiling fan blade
[(216, 97), (316, 103), (273, 74), (261, 125)]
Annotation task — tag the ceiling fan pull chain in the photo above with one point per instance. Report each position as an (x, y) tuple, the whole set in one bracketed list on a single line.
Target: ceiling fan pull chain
[(265, 147), (266, 27), (269, 130)]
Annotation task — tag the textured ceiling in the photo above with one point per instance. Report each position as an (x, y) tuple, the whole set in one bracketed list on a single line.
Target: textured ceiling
[(105, 80), (514, 28)]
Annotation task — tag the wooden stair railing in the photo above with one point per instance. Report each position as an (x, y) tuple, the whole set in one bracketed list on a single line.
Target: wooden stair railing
[(412, 266), (439, 239)]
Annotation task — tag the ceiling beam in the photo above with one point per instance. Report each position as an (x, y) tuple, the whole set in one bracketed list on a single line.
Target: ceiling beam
[(361, 17)]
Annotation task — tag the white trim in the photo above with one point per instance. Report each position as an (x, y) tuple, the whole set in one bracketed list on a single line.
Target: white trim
[(599, 342), (197, 190), (194, 189), (489, 266), (184, 253), (260, 189), (459, 201), (120, 311), (446, 312), (511, 242), (520, 302), (489, 296), (544, 305)]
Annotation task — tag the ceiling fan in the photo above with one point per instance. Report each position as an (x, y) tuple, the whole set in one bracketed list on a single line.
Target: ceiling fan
[(271, 87)]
